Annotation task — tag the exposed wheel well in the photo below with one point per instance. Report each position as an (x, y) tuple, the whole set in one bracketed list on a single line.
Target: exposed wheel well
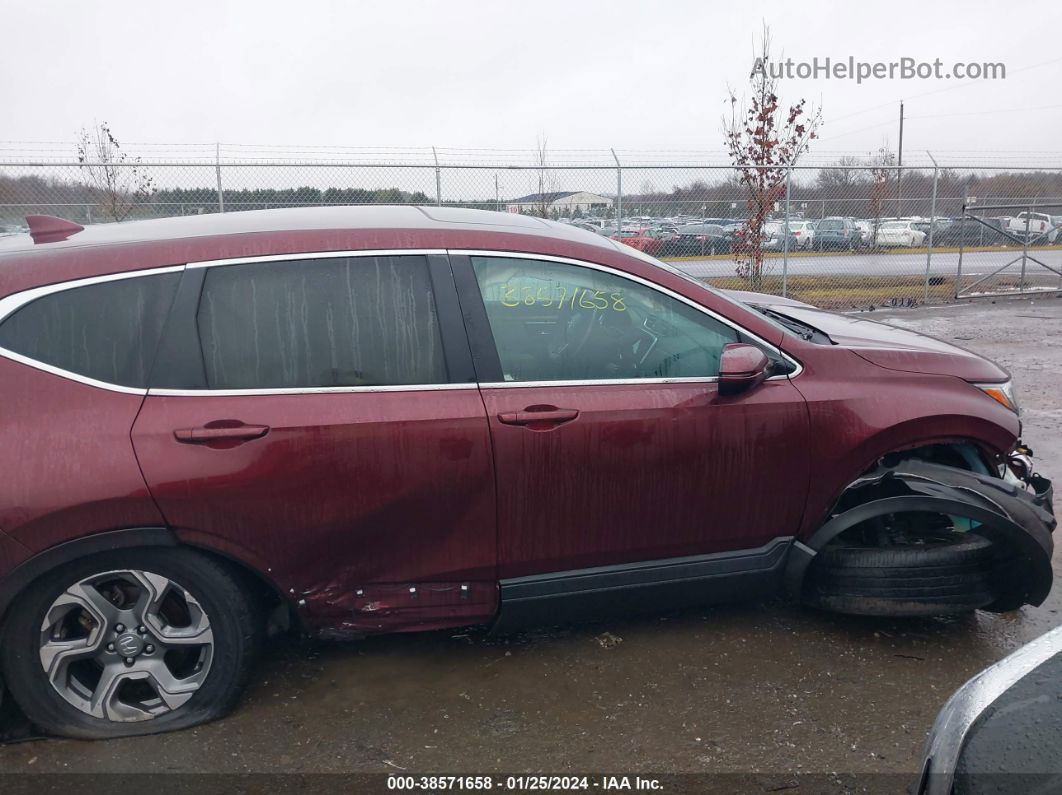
[(960, 454), (967, 456), (279, 613), (916, 502)]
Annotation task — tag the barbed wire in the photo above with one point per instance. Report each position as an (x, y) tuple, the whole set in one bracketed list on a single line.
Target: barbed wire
[(203, 153)]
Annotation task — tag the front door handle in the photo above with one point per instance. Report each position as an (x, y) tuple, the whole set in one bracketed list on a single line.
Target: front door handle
[(207, 433), (544, 416)]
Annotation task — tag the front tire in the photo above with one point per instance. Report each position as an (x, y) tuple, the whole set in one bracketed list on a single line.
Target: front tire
[(131, 642), (952, 573)]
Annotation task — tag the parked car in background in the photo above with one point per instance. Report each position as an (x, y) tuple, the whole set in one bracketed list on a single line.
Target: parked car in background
[(774, 235), (1001, 732), (866, 231), (697, 239), (771, 237), (899, 233), (667, 232), (1036, 225), (837, 233), (970, 232), (361, 420), (804, 232), (925, 225), (589, 227), (648, 240)]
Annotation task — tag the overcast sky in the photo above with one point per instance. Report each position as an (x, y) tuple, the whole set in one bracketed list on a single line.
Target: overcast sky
[(631, 75)]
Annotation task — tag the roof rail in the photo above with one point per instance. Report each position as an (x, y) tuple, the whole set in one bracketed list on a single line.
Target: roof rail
[(49, 229)]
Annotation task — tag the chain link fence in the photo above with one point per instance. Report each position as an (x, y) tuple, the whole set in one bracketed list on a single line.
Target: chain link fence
[(846, 232)]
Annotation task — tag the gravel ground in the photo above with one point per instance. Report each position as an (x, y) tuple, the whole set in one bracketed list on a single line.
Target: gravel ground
[(745, 688)]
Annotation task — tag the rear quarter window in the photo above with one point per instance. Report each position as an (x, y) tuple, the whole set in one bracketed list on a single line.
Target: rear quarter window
[(107, 331)]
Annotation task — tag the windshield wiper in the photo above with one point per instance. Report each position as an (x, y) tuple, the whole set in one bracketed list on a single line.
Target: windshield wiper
[(803, 330)]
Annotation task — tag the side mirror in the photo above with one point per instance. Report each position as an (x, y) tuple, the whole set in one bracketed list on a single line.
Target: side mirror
[(741, 367)]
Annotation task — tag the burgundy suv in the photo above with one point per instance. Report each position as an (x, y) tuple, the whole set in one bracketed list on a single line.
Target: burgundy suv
[(386, 419)]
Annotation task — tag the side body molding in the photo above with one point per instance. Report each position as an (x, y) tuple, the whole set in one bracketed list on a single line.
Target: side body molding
[(633, 588)]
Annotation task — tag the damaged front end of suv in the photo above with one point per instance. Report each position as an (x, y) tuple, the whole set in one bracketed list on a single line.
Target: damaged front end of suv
[(918, 537)]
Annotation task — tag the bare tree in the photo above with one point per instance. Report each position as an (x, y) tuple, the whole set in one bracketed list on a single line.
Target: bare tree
[(881, 168), (120, 181), (763, 140), (846, 174), (545, 177)]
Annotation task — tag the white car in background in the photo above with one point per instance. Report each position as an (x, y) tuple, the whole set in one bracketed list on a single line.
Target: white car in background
[(866, 230), (804, 232), (1039, 225), (899, 233)]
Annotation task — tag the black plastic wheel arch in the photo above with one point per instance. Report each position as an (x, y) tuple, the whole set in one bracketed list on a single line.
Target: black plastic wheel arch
[(1007, 515)]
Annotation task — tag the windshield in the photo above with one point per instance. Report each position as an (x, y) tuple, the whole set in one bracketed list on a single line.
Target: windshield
[(894, 225), (830, 226)]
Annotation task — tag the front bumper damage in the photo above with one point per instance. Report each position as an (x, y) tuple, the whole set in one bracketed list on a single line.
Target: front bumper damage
[(1015, 512)]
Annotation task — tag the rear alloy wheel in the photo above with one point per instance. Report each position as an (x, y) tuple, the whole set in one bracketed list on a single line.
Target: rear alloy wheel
[(134, 642), (943, 573)]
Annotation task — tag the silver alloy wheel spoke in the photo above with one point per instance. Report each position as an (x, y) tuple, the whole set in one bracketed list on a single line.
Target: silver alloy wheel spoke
[(153, 589), (111, 627), (197, 633), (57, 654), (103, 610), (102, 704), (173, 691)]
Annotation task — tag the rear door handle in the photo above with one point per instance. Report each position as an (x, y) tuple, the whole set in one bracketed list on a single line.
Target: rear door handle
[(547, 415), (207, 434)]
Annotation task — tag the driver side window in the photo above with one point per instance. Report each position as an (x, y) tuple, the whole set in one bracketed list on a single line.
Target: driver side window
[(553, 321)]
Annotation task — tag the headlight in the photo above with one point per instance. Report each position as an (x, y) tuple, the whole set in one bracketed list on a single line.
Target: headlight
[(1002, 393)]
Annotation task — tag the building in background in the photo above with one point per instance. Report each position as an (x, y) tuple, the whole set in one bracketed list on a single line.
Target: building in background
[(561, 203)]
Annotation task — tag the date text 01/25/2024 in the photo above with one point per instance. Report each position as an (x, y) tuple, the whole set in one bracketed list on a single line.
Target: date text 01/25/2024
[(531, 783)]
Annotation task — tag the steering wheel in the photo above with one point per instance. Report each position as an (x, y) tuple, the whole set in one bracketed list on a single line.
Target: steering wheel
[(610, 335)]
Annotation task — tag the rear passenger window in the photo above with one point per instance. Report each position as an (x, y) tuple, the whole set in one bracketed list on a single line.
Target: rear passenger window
[(107, 331), (353, 321)]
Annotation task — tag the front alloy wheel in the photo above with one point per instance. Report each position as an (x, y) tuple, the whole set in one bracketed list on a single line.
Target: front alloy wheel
[(131, 642)]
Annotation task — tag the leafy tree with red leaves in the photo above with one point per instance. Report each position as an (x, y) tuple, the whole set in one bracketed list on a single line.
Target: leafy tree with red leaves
[(763, 140)]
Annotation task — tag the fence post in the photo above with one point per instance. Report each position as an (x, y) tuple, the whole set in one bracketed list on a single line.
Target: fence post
[(962, 244), (932, 226), (438, 179), (1025, 249), (217, 171), (619, 193), (785, 240)]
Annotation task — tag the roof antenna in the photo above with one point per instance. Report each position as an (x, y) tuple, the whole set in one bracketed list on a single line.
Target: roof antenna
[(49, 229)]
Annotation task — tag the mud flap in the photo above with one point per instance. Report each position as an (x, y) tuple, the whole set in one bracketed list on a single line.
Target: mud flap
[(1019, 523)]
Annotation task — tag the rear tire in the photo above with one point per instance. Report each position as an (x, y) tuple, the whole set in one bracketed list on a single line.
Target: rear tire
[(205, 625), (952, 575)]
